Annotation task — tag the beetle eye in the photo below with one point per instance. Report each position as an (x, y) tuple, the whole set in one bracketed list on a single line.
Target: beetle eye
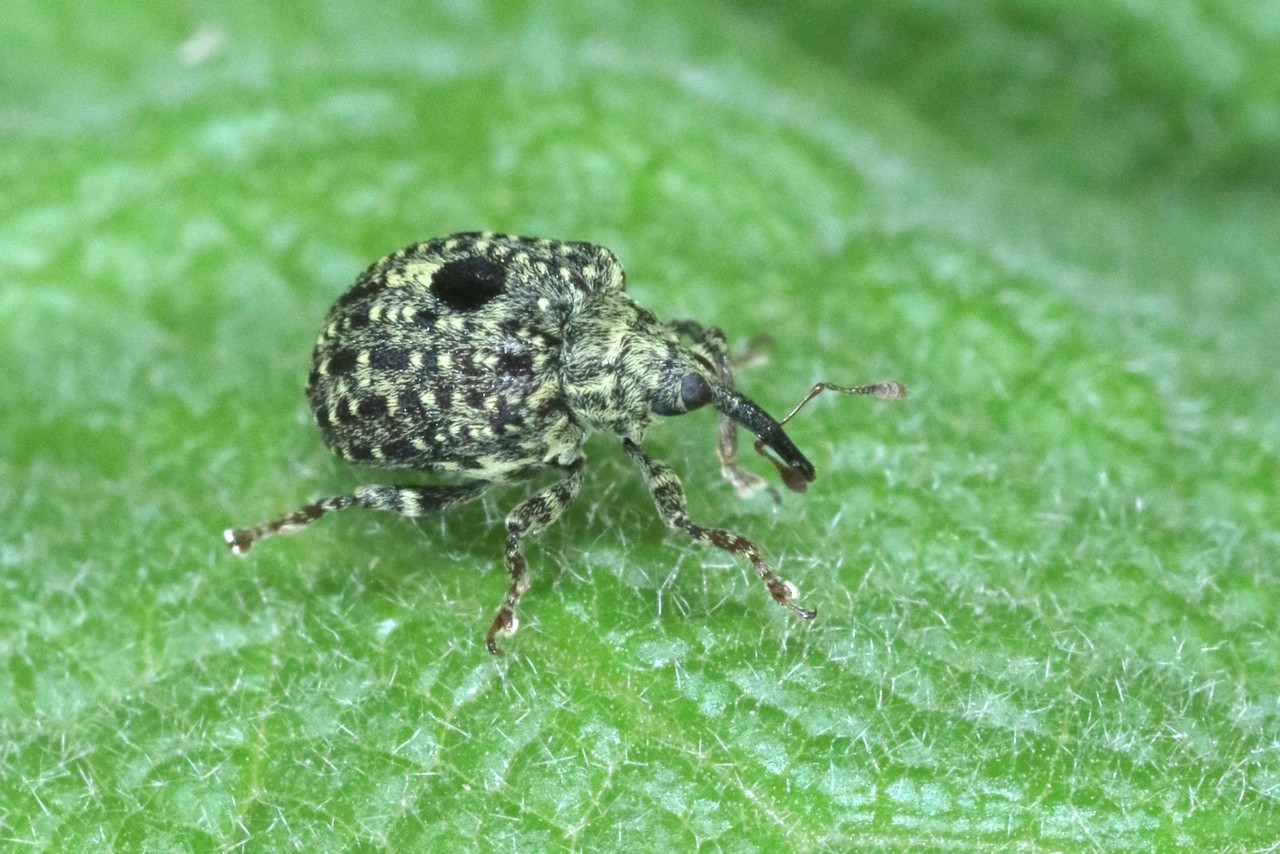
[(695, 391)]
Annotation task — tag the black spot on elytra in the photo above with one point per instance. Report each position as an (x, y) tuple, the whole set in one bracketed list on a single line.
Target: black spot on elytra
[(358, 318), (424, 317), (508, 416), (341, 362), (388, 359), (428, 367), (475, 397), (372, 407), (515, 366), (408, 406), (398, 450), (467, 369), (468, 283), (345, 411)]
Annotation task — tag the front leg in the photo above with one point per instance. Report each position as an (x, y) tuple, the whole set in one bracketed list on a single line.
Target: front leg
[(710, 347), (530, 516), (668, 497)]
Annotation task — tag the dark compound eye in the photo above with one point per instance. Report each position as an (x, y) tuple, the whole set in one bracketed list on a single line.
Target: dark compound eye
[(695, 391), (468, 283)]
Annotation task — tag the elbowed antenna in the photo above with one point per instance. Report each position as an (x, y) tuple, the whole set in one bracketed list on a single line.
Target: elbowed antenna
[(890, 390)]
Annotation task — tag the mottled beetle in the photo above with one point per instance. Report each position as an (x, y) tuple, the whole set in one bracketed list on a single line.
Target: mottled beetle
[(493, 357)]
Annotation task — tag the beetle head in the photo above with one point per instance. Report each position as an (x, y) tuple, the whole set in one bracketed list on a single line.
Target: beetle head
[(685, 390), (692, 390)]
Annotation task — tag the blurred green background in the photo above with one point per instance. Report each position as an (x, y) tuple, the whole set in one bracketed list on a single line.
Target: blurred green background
[(1047, 582)]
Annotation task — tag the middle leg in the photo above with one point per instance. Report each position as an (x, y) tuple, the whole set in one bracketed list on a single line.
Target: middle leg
[(668, 497), (530, 516)]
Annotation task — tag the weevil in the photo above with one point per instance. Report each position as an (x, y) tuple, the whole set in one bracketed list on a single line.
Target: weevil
[(491, 358)]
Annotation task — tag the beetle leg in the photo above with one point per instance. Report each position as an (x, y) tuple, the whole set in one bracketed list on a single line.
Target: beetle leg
[(401, 500), (668, 497), (530, 516)]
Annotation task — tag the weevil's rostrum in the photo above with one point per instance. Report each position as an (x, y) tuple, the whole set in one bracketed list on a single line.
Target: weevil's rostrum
[(493, 357)]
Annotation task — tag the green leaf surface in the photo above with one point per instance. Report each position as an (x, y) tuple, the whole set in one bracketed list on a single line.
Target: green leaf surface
[(1047, 582)]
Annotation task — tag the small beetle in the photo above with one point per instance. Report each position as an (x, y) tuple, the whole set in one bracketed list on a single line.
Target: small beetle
[(492, 357)]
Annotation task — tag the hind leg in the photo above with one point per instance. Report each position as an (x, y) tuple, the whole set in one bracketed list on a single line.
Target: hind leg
[(401, 500)]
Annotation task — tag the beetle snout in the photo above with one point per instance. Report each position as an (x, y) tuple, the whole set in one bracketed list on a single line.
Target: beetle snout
[(795, 470)]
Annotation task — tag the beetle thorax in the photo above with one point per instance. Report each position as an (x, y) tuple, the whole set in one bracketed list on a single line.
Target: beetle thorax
[(616, 360)]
